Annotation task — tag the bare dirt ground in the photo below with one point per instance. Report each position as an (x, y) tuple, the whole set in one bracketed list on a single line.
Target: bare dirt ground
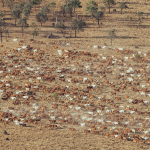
[(117, 124)]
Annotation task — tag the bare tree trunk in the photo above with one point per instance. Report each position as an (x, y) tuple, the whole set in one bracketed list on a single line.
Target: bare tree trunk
[(77, 17), (56, 19), (1, 37), (92, 19), (75, 33), (64, 32), (22, 30), (70, 32)]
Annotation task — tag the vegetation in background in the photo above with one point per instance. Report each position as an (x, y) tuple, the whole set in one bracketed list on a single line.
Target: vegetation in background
[(34, 31), (77, 25), (22, 22), (111, 35), (108, 3)]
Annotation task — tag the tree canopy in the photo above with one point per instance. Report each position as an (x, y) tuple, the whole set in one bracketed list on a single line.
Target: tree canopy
[(108, 3), (91, 8), (77, 25)]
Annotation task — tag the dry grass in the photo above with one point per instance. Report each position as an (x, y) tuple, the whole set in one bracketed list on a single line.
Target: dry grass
[(128, 36)]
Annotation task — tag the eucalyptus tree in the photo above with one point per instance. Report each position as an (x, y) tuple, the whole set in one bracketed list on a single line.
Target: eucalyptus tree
[(111, 35), (77, 25), (9, 3), (108, 3), (34, 30), (62, 27), (122, 5), (1, 14), (36, 2), (75, 4), (91, 8), (16, 12), (69, 9), (42, 15), (27, 9), (139, 15), (2, 27), (98, 15), (22, 22)]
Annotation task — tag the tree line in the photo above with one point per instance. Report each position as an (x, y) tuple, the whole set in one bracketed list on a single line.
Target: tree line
[(68, 18)]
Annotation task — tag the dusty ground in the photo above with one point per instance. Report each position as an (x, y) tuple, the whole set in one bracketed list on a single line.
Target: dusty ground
[(35, 136), (63, 139)]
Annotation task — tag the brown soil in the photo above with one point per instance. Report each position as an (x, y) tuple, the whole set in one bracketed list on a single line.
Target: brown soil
[(38, 136)]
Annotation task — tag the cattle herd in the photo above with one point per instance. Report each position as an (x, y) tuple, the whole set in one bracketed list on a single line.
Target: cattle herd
[(100, 90)]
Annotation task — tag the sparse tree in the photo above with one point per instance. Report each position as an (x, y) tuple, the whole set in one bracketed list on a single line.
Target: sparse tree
[(91, 8), (108, 3), (67, 1), (36, 2), (44, 9), (122, 5), (75, 4), (34, 31), (6, 33), (3, 2), (27, 10), (42, 16), (77, 25), (52, 8), (130, 19), (2, 27), (62, 27), (98, 15), (63, 10), (15, 13), (139, 23), (68, 9), (20, 6), (139, 15), (1, 14), (22, 22), (111, 35), (9, 3), (102, 8)]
